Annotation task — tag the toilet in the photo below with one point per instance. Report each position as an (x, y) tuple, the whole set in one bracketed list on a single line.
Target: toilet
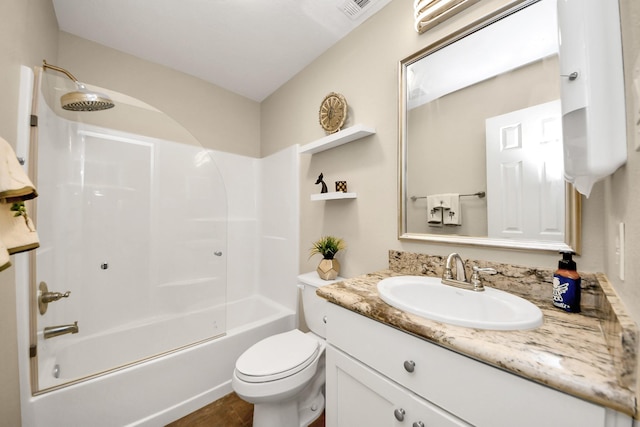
[(284, 374)]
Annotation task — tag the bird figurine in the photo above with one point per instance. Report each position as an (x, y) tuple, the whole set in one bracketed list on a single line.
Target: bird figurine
[(320, 181)]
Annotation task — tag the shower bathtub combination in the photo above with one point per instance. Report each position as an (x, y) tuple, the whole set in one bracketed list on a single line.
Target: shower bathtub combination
[(162, 389), (138, 301)]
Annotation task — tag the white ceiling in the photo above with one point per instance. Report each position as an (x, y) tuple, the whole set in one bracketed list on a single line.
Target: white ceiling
[(250, 47)]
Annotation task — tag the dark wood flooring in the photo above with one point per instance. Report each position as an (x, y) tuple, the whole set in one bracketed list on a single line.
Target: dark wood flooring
[(229, 411)]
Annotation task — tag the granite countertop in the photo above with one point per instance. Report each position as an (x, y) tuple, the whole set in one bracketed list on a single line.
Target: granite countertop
[(579, 354)]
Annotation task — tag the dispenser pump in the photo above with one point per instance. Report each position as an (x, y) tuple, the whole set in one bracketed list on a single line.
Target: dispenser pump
[(567, 262)]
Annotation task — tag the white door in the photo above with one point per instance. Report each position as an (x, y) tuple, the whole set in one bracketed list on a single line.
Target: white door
[(525, 185)]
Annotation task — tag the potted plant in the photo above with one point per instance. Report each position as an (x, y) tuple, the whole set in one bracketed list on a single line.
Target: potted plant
[(328, 247)]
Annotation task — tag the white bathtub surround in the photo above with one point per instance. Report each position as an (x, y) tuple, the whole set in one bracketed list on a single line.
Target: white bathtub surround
[(278, 197), (130, 226), (241, 175), (164, 389), (195, 380), (230, 212), (263, 232)]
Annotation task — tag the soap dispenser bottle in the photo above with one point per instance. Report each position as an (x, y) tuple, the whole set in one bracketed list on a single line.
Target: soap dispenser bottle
[(566, 284)]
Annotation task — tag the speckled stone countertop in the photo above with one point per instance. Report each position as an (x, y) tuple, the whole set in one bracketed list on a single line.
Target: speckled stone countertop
[(591, 355)]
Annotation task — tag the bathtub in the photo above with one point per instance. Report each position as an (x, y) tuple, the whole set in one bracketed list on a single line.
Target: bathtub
[(163, 389)]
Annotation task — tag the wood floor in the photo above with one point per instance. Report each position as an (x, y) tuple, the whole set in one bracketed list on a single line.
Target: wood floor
[(229, 411)]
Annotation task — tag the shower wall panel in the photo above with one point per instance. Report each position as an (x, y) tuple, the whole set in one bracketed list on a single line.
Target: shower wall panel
[(135, 228)]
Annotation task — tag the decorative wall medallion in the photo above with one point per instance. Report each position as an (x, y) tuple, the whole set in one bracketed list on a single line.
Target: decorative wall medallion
[(333, 112)]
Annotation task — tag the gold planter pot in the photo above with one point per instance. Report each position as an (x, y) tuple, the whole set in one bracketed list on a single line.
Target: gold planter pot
[(328, 269)]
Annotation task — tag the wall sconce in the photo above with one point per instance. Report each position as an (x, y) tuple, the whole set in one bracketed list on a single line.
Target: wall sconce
[(429, 13)]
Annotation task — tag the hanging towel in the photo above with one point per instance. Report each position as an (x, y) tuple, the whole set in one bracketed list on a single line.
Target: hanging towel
[(17, 232), (15, 185), (5, 261), (452, 214), (434, 211)]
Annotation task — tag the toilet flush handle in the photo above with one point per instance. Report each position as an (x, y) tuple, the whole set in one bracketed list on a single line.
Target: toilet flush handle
[(324, 319)]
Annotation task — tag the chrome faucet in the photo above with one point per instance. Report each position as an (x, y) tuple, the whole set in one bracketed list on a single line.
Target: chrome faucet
[(54, 331), (461, 274)]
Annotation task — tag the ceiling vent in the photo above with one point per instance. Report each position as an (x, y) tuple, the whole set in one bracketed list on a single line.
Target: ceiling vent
[(355, 8)]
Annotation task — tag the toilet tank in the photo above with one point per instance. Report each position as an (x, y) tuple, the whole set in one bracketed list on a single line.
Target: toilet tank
[(313, 306)]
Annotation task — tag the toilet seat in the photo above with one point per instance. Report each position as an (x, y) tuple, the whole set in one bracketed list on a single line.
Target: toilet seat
[(277, 357)]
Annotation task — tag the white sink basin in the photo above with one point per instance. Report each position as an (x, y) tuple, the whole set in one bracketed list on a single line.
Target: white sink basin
[(428, 297)]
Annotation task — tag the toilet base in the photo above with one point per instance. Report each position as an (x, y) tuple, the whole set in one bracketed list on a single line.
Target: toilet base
[(311, 412), (288, 414)]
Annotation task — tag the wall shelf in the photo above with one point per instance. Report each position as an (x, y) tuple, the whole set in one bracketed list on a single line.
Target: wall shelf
[(336, 195), (336, 139)]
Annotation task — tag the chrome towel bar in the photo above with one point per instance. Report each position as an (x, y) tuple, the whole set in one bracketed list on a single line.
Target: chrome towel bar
[(479, 194)]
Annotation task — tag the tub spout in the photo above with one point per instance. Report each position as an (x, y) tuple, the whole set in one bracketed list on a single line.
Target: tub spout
[(54, 331)]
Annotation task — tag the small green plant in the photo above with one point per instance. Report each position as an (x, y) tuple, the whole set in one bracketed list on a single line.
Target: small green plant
[(327, 246)]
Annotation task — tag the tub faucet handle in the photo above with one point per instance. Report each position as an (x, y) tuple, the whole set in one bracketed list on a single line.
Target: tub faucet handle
[(54, 296), (46, 297)]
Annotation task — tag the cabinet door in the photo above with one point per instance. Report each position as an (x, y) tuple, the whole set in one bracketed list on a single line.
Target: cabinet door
[(359, 396)]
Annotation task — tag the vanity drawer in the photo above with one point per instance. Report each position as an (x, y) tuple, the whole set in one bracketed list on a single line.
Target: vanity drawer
[(475, 392), (359, 396)]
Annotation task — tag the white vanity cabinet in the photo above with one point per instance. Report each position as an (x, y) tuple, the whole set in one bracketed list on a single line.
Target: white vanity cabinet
[(360, 396), (381, 376)]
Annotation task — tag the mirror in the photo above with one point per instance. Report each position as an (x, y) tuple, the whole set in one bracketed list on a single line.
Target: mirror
[(481, 159)]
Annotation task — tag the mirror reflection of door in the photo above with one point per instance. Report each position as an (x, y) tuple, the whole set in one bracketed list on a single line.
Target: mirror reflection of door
[(525, 186), (505, 64)]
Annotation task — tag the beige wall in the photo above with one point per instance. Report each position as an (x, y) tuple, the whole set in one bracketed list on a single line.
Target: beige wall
[(28, 33), (364, 67), (216, 117), (622, 191)]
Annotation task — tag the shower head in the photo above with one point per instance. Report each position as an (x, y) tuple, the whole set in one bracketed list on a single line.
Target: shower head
[(81, 99), (85, 100)]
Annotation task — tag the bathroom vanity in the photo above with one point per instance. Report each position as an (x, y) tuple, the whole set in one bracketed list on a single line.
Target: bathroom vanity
[(386, 367)]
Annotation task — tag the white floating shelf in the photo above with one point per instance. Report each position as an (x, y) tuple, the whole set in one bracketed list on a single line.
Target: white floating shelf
[(336, 195), (335, 139)]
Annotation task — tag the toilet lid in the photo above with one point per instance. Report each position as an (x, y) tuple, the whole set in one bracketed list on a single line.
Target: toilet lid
[(277, 356)]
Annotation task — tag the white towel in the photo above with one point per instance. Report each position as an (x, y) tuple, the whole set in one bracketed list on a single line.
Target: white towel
[(17, 232), (452, 214), (15, 185), (434, 211)]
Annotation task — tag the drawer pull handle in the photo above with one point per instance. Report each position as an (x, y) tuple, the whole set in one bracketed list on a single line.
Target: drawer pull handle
[(418, 424), (409, 365), (399, 414)]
